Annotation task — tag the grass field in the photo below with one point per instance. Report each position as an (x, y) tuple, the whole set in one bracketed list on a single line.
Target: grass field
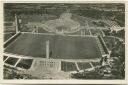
[(61, 47)]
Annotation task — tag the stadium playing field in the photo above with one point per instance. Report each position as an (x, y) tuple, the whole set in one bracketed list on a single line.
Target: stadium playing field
[(61, 47)]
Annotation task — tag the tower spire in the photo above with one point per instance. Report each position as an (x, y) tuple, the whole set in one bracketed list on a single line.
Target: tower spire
[(47, 49)]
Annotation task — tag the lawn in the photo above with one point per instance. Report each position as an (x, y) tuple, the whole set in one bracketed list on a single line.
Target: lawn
[(61, 47)]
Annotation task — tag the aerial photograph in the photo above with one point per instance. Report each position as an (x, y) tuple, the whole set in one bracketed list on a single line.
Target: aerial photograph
[(64, 41)]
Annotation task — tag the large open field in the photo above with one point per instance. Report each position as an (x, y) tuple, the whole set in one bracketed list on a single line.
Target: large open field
[(61, 47)]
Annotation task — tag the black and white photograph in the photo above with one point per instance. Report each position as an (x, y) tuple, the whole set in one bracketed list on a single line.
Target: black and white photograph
[(64, 41)]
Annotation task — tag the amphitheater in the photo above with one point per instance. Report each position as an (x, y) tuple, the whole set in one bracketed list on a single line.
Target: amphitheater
[(64, 24), (57, 50)]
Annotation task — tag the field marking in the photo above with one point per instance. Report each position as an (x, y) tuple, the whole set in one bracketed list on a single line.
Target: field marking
[(12, 42), (11, 37), (33, 31), (102, 32), (52, 59), (77, 66), (43, 59), (17, 62), (91, 65), (6, 58), (59, 34), (17, 56), (9, 65), (90, 32)]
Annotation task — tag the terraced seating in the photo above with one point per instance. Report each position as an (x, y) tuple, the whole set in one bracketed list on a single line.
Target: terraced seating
[(18, 62), (11, 61), (95, 64), (100, 46), (83, 65), (25, 63), (68, 66)]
